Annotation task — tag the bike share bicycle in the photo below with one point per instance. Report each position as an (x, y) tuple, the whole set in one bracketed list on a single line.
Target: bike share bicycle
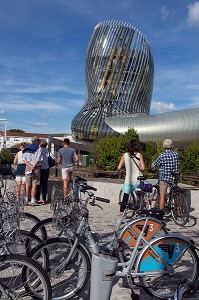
[(156, 266), (20, 276)]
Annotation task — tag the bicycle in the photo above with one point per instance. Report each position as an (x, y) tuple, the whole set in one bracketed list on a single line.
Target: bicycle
[(145, 195), (68, 261), (45, 228), (20, 276), (13, 239), (176, 202), (9, 197)]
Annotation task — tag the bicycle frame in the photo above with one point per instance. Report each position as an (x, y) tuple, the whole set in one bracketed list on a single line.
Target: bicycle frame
[(142, 268)]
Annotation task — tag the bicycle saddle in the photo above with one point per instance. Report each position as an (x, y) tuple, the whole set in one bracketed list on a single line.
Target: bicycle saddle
[(141, 178), (153, 212)]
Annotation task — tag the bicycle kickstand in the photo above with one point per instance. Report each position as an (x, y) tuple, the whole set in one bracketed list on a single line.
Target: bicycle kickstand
[(134, 296)]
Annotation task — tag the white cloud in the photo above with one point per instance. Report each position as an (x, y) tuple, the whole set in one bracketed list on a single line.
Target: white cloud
[(39, 124), (193, 14), (160, 107), (2, 112), (164, 12)]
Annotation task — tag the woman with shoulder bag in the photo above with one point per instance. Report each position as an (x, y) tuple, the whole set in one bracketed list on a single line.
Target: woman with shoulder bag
[(134, 164), (20, 176)]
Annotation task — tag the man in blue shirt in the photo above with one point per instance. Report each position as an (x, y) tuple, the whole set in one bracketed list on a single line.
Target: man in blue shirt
[(168, 163)]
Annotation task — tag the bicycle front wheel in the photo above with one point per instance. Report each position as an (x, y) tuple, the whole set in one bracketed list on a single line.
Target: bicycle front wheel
[(67, 279), (167, 259), (22, 277), (179, 208)]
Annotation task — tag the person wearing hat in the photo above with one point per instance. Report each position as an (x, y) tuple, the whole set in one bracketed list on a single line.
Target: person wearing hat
[(168, 163), (32, 158)]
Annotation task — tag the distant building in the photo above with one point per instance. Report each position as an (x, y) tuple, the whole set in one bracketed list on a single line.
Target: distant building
[(119, 82), (13, 138)]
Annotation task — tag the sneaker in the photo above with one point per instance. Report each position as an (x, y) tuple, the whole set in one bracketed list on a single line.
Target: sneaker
[(25, 200), (32, 202)]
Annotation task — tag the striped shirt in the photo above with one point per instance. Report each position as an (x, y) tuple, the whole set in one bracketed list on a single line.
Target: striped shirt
[(168, 164)]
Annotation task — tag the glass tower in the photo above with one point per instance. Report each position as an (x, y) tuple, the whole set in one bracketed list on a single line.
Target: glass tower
[(119, 78)]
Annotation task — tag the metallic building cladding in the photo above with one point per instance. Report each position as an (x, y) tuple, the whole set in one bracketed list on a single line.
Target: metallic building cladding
[(119, 78), (180, 126)]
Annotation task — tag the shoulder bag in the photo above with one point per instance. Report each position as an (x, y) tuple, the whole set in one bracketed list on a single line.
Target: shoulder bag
[(51, 161)]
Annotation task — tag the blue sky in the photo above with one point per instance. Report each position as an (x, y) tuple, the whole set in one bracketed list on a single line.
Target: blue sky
[(43, 49)]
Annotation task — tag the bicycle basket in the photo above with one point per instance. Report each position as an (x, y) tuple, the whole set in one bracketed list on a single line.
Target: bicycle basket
[(15, 197), (61, 216), (56, 193), (9, 222)]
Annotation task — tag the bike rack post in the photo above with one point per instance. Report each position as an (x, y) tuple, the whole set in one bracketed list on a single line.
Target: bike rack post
[(102, 273)]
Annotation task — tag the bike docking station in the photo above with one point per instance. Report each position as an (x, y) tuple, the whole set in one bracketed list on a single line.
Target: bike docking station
[(103, 270)]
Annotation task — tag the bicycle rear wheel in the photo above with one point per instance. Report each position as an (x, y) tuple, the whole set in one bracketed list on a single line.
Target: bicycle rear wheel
[(179, 208), (176, 259)]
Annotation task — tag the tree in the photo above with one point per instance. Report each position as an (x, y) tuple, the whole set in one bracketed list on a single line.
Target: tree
[(190, 158), (149, 153), (15, 130), (5, 156), (109, 149)]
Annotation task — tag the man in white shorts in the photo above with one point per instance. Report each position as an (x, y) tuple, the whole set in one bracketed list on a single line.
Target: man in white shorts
[(66, 157)]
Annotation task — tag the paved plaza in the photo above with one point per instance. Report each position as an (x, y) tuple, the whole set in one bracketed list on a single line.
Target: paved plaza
[(104, 221)]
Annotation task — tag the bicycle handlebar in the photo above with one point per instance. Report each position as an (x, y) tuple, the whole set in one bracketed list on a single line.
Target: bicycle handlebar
[(102, 199), (86, 187), (79, 179)]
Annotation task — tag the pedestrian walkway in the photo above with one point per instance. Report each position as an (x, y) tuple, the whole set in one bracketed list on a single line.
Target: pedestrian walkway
[(103, 220)]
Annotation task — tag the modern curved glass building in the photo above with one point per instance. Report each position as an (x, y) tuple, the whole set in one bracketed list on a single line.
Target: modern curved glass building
[(119, 83), (180, 126), (119, 78)]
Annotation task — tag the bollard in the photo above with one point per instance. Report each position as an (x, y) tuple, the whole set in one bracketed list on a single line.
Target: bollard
[(102, 273)]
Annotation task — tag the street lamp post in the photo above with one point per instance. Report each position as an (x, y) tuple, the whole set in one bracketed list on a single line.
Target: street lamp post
[(5, 131)]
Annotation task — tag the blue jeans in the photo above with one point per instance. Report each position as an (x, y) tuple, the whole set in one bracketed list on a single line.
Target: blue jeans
[(43, 187)]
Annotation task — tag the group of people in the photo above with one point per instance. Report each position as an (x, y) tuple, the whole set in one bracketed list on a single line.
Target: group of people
[(167, 162), (32, 170)]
